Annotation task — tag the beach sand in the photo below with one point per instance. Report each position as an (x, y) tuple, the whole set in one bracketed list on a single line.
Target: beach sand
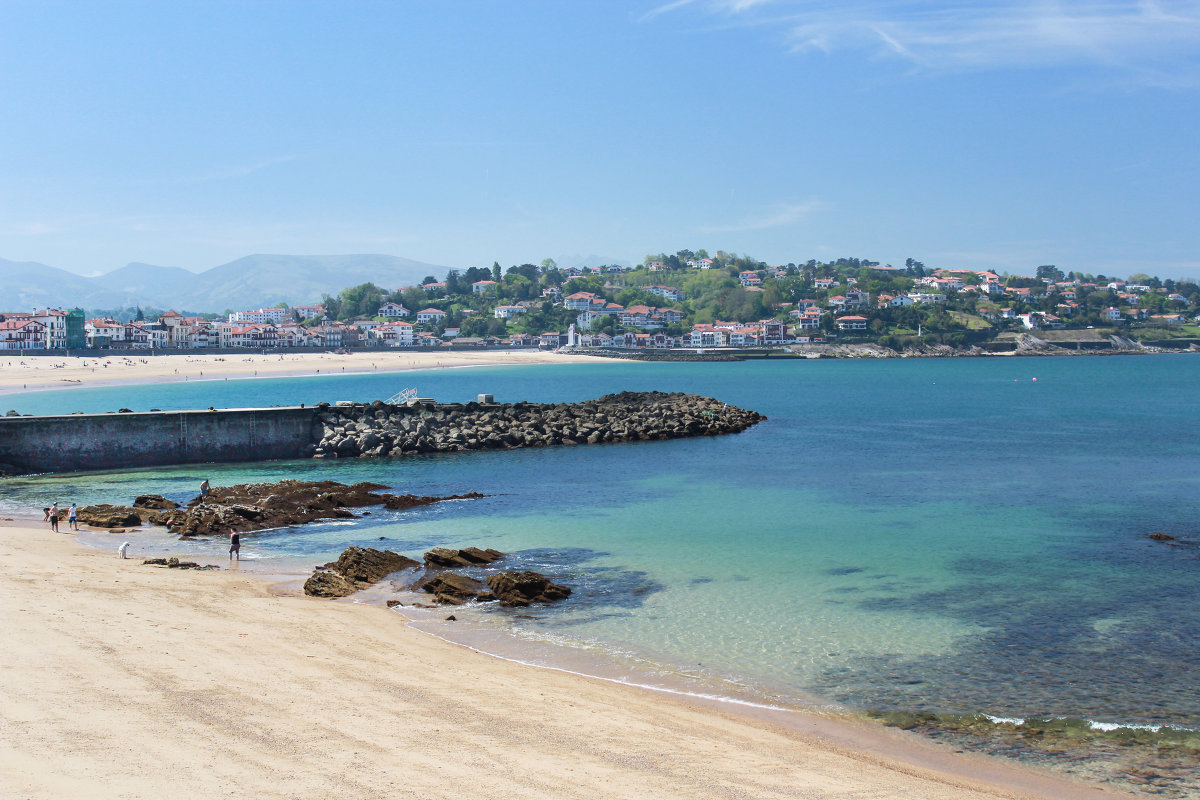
[(105, 368), (119, 679)]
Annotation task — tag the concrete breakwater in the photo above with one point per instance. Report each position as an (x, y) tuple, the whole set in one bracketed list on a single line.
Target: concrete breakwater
[(379, 430), (78, 442)]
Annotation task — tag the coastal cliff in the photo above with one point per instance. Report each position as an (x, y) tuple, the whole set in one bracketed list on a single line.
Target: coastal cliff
[(377, 429)]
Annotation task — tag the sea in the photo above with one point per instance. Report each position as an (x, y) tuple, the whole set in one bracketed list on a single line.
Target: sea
[(959, 547)]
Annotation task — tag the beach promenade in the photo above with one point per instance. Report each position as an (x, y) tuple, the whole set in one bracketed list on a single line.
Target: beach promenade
[(125, 680)]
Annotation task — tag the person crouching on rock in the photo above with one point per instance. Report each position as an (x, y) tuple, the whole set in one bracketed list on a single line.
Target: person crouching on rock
[(235, 545)]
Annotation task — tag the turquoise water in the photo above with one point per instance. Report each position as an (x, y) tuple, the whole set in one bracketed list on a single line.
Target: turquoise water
[(945, 538)]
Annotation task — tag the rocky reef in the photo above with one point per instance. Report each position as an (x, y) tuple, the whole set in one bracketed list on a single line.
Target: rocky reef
[(358, 568), (379, 429), (255, 507)]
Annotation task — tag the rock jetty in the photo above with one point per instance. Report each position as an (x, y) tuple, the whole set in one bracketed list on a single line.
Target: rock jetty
[(379, 429)]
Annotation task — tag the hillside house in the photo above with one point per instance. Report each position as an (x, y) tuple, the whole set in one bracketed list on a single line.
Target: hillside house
[(392, 311)]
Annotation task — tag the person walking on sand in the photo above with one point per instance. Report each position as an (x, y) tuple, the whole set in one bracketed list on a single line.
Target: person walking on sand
[(73, 517), (204, 487), (235, 545)]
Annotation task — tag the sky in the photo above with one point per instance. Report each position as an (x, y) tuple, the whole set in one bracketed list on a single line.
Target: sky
[(984, 134)]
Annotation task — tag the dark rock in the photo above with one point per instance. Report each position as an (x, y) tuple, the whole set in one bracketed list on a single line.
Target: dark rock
[(175, 563), (451, 618), (402, 501), (453, 589), (1161, 537), (154, 501), (258, 506), (105, 515), (523, 588), (394, 603), (442, 557), (356, 568), (328, 584), (367, 565)]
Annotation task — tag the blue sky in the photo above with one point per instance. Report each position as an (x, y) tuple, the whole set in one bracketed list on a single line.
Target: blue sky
[(981, 134)]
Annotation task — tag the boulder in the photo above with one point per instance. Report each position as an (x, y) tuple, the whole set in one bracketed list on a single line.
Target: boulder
[(356, 568), (328, 584), (523, 588), (105, 515), (367, 565), (453, 589), (154, 501)]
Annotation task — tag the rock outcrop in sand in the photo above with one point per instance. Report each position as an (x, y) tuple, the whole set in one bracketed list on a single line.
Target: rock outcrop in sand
[(359, 567), (356, 568)]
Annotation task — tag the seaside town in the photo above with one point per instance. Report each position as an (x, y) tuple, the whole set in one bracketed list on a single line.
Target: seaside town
[(683, 300)]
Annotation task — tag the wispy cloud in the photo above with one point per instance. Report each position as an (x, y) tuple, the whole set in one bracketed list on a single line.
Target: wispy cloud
[(233, 171), (1153, 38), (665, 8), (777, 217), (33, 228)]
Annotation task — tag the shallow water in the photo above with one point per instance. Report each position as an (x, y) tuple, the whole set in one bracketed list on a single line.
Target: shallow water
[(945, 538)]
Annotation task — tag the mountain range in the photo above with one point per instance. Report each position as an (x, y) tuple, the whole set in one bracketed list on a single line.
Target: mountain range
[(252, 282)]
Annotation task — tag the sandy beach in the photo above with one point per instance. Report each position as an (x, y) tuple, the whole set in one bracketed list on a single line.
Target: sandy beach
[(120, 679), (20, 372)]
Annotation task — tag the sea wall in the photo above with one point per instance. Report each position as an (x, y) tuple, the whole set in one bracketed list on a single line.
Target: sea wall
[(79, 442)]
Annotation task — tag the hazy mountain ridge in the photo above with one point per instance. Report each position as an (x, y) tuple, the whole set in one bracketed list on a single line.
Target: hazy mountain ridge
[(250, 282)]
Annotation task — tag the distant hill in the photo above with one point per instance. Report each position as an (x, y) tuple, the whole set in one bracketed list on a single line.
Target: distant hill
[(145, 284), (28, 284), (250, 282)]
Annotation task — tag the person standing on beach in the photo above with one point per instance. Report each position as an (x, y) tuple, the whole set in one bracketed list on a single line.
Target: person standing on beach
[(204, 487), (235, 545), (54, 517), (73, 517)]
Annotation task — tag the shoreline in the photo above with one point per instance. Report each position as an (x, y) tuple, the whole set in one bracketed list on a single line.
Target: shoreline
[(273, 680), (20, 373)]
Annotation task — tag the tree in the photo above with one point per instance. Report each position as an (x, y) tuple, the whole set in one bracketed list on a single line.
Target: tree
[(474, 275), (496, 271), (531, 272), (1050, 272), (139, 316), (428, 279), (548, 264)]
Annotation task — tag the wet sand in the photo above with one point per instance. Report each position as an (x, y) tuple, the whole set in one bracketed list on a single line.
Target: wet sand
[(121, 679)]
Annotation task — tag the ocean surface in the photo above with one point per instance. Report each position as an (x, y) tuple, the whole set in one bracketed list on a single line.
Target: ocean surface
[(955, 546)]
